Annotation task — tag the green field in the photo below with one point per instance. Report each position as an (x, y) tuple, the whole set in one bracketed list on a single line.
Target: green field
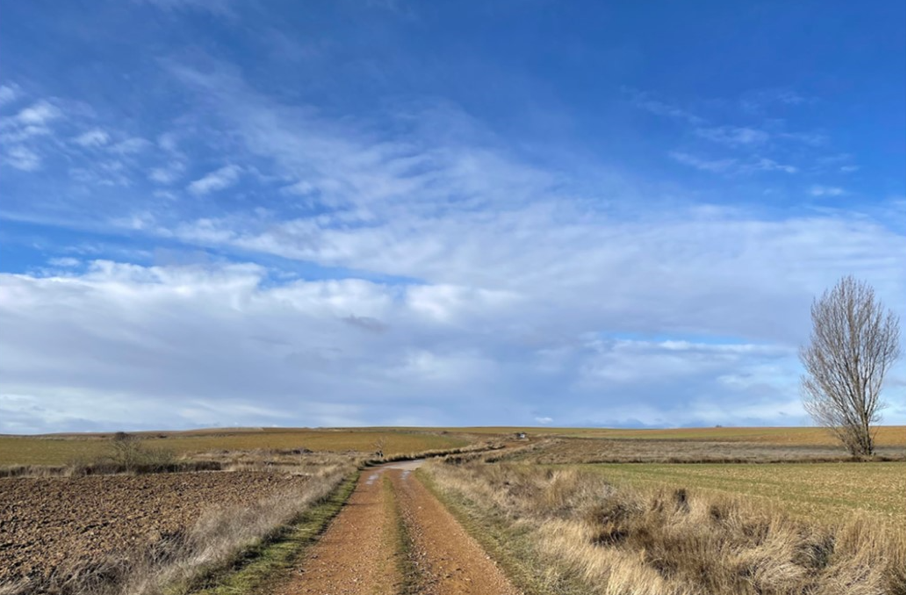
[(62, 450), (818, 491)]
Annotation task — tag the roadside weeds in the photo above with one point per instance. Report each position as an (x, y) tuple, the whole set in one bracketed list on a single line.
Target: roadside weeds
[(258, 566)]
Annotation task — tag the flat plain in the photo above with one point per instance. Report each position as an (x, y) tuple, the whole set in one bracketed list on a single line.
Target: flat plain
[(67, 449), (887, 436), (602, 505)]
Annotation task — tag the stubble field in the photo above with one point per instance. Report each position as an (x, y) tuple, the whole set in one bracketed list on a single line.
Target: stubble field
[(822, 492)]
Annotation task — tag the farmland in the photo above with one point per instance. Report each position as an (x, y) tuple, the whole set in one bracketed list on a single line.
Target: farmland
[(87, 518), (563, 511), (887, 436), (823, 492), (63, 450), (599, 529)]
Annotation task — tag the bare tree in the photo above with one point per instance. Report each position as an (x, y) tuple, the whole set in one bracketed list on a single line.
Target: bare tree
[(854, 341)]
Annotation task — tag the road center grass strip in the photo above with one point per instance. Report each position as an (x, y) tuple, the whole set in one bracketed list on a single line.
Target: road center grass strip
[(257, 568), (410, 577)]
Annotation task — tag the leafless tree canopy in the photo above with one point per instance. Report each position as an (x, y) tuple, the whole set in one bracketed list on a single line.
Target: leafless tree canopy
[(854, 341)]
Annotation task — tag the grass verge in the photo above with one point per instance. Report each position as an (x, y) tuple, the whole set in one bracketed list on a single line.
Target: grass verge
[(258, 567), (570, 525), (511, 544)]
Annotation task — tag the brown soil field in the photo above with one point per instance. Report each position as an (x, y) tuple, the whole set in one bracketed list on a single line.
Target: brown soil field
[(46, 523)]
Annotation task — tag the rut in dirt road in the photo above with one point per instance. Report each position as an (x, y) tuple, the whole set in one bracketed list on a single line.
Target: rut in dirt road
[(362, 552)]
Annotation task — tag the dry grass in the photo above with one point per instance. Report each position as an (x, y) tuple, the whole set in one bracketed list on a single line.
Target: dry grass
[(576, 532), (174, 563), (611, 450), (64, 450)]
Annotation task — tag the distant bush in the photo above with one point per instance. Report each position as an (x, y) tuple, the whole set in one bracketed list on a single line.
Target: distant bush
[(128, 453)]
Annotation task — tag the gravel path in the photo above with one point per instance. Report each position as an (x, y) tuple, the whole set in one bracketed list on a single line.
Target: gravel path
[(360, 551)]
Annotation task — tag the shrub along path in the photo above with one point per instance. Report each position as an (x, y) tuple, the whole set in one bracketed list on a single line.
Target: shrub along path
[(394, 537)]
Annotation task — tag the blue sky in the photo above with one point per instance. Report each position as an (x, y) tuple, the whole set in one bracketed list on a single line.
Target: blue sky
[(218, 212)]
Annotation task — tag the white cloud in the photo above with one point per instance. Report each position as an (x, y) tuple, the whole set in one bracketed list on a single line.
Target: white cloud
[(765, 164), (92, 138), (169, 174), (22, 158), (217, 180), (33, 121), (225, 344), (712, 165), (826, 191), (731, 166), (9, 93), (814, 139), (496, 284), (66, 261), (130, 146), (645, 102), (759, 100), (39, 113), (734, 136)]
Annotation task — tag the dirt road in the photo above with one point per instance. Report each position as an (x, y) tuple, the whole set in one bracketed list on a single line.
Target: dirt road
[(392, 537)]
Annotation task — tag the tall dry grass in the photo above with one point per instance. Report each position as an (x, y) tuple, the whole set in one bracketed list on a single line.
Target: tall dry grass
[(623, 542), (174, 562)]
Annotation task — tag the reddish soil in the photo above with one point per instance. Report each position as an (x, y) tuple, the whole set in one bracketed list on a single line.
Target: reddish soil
[(449, 561), (49, 522), (360, 554)]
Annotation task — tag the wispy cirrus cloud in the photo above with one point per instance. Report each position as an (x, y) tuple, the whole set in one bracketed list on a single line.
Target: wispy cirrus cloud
[(734, 136), (9, 93), (760, 148), (30, 122), (95, 137), (818, 190), (644, 101), (704, 164), (22, 158), (761, 99), (220, 179)]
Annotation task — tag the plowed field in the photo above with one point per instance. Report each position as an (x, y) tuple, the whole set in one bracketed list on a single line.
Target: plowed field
[(49, 522)]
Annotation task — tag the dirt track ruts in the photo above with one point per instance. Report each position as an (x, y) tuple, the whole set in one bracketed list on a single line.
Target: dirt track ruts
[(360, 553)]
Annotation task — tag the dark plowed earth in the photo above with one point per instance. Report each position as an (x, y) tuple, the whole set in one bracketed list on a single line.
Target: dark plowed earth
[(49, 522), (359, 553)]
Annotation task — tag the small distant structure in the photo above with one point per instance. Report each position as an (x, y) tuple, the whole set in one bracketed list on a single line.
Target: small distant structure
[(521, 436)]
